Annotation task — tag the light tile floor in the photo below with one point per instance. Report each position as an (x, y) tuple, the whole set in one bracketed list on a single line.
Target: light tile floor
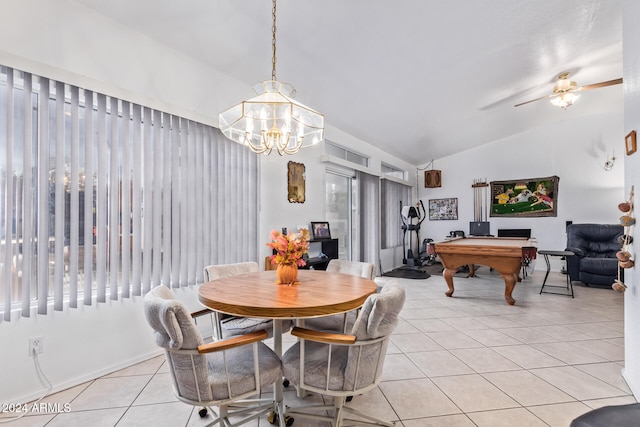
[(470, 360)]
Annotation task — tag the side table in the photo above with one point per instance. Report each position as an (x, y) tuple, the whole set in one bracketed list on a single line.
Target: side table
[(569, 287)]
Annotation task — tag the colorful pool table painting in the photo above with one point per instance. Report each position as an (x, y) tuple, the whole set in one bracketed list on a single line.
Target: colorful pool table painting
[(525, 197)]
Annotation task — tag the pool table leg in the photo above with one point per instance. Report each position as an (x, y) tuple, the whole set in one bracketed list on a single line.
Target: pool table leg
[(509, 285), (448, 277)]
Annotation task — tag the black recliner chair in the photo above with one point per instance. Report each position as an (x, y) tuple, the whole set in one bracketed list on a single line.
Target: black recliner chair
[(595, 247), (610, 416)]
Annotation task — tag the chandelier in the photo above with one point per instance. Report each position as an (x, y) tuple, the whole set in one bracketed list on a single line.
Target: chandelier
[(272, 119)]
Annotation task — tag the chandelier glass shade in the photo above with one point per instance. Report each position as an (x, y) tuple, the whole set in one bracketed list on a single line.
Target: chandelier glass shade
[(272, 120)]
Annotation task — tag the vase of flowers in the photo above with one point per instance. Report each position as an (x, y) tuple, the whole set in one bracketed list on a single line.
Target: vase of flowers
[(287, 274), (288, 251)]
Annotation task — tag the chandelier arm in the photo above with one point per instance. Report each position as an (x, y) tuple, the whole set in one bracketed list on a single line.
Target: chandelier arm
[(283, 143), (293, 150), (259, 149)]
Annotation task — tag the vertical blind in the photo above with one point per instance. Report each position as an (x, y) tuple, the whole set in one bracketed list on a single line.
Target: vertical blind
[(393, 196), (369, 218), (102, 198)]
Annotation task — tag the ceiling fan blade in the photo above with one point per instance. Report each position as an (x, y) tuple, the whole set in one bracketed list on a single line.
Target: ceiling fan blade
[(587, 87), (537, 99), (602, 84)]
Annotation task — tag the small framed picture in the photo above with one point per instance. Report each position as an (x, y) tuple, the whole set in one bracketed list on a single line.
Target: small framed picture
[(320, 230), (440, 209), (630, 142)]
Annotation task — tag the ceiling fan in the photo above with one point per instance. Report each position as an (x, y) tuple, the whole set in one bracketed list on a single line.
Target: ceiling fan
[(566, 92)]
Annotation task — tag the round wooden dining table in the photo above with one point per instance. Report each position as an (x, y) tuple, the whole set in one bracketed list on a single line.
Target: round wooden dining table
[(318, 294)]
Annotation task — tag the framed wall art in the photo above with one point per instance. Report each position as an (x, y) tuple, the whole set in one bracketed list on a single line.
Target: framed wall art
[(295, 182), (532, 197), (320, 230), (443, 209), (630, 142)]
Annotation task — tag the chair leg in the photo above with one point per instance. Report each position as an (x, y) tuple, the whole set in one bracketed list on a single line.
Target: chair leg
[(370, 420), (243, 410), (338, 415), (340, 412)]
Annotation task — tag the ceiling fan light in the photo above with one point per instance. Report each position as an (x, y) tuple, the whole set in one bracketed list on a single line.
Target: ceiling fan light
[(565, 100)]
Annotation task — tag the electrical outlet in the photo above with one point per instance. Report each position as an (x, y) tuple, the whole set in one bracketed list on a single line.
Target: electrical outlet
[(36, 345)]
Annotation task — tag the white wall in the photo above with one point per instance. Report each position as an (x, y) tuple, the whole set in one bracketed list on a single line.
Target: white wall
[(79, 345), (631, 75), (575, 150)]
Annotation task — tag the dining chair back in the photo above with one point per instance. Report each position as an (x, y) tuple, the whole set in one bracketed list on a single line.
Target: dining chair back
[(355, 268), (222, 271), (529, 254), (341, 322), (227, 325)]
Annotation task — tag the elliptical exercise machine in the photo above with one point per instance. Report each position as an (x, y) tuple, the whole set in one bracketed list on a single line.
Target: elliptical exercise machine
[(408, 214)]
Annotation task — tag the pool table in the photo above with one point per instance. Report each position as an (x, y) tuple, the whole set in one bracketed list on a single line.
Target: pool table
[(502, 254)]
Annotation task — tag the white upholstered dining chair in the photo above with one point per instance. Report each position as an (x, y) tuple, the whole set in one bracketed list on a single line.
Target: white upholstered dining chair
[(228, 325), (229, 374), (339, 365), (341, 322), (355, 268)]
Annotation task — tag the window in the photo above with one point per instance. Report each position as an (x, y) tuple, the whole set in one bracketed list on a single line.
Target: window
[(393, 171), (335, 150), (102, 198)]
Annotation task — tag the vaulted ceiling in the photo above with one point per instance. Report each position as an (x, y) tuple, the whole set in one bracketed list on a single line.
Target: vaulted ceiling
[(421, 79)]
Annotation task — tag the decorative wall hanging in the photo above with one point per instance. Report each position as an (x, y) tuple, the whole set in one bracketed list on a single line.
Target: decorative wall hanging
[(532, 197), (630, 142), (295, 182), (432, 178), (624, 255), (443, 209)]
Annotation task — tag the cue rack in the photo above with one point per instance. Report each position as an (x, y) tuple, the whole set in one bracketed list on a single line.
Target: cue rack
[(480, 200)]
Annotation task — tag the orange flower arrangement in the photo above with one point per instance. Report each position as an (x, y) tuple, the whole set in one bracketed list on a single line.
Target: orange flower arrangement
[(290, 247)]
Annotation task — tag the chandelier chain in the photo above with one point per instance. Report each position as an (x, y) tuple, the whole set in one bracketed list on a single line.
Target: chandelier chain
[(273, 42)]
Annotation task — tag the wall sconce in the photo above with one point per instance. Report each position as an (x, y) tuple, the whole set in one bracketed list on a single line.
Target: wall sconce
[(608, 165)]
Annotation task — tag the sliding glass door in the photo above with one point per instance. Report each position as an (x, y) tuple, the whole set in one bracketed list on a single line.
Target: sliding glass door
[(340, 210)]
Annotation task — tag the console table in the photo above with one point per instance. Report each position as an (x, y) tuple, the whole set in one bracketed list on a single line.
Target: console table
[(329, 247)]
